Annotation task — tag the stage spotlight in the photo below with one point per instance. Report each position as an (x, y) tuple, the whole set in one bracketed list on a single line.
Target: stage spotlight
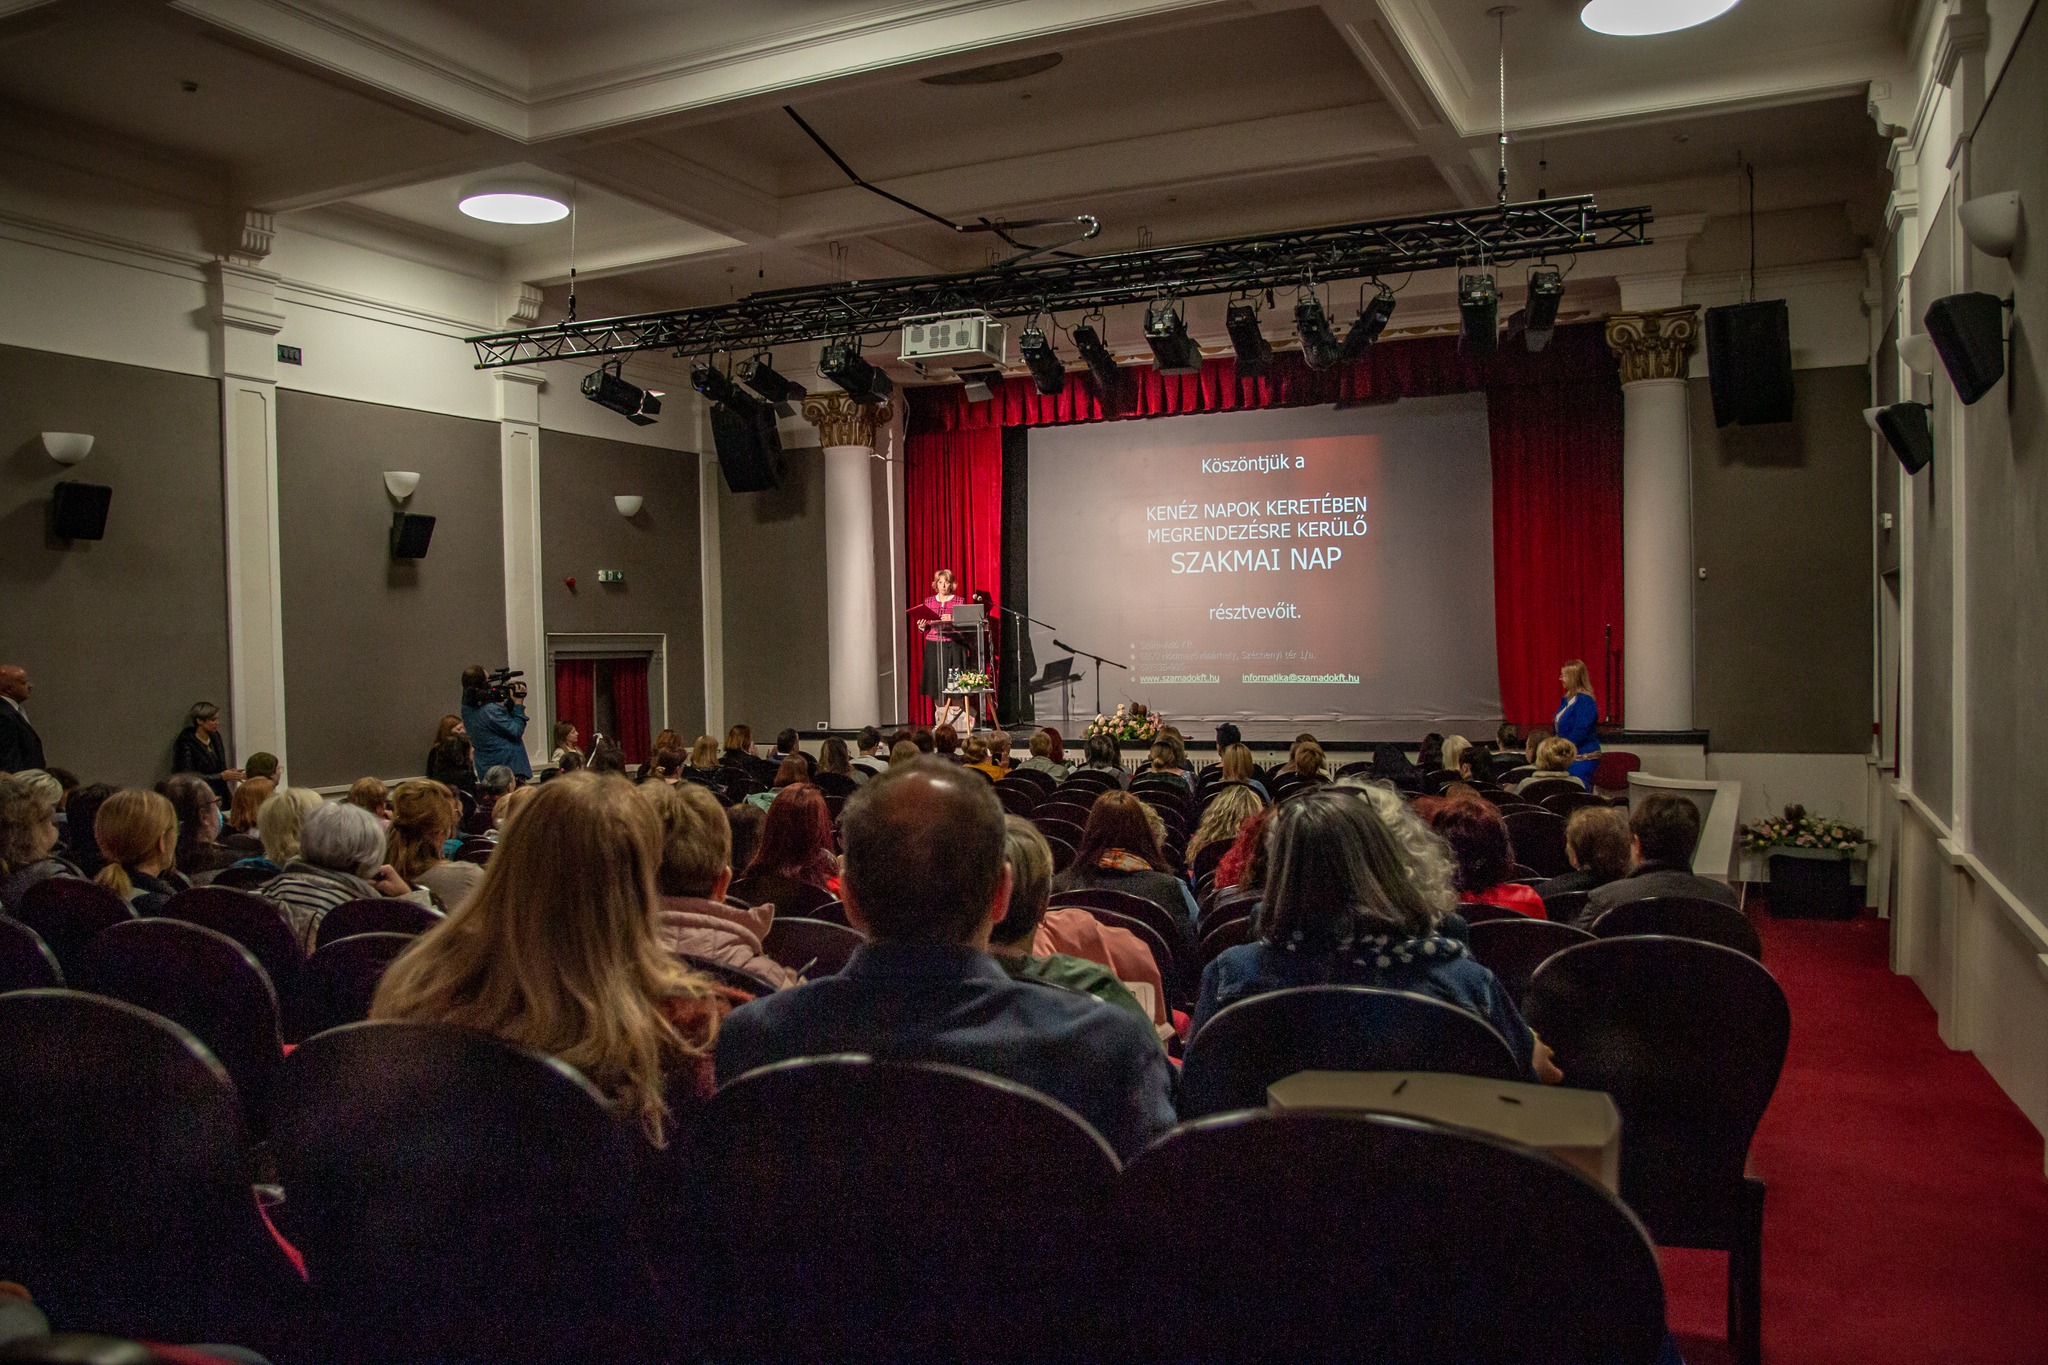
[(1173, 350), (1546, 292), (1905, 429), (1254, 352), (607, 388), (1372, 320), (1047, 373), (717, 386), (1478, 313), (842, 363), (1095, 353), (759, 375), (1319, 345)]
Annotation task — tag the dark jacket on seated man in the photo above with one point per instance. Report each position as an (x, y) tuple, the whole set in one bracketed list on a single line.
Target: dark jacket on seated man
[(925, 878), (1667, 833), (1656, 879)]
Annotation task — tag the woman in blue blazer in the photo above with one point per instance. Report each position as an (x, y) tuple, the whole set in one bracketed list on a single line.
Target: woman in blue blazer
[(1578, 719)]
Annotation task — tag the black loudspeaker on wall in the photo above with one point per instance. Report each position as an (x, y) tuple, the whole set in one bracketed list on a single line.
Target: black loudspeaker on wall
[(1749, 363), (410, 535), (78, 511), (1969, 332), (1906, 430), (749, 447)]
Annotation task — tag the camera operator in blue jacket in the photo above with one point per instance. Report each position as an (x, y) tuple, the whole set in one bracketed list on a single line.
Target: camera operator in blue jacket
[(494, 713)]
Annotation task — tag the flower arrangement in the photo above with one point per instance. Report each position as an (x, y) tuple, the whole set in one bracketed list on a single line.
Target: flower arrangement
[(1132, 723), (1796, 829), (967, 680)]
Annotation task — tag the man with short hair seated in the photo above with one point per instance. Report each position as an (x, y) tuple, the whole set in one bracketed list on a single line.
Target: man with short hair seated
[(925, 879), (1030, 860), (1666, 830), (871, 757)]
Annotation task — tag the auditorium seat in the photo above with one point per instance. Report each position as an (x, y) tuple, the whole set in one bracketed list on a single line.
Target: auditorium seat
[(1222, 936), (1537, 790), (383, 915), (125, 1201), (239, 878), (255, 924), (1018, 798), (1058, 807), (67, 912), (1564, 803), (1053, 828), (1689, 1038), (459, 1198), (811, 946), (788, 895), (1611, 773), (1249, 1045), (1038, 780), (340, 979), (1683, 917), (1062, 851), (1514, 946), (1564, 906), (26, 962), (935, 1214), (1210, 856), (1483, 912), (725, 974), (1173, 962), (1538, 839), (1319, 1236), (1128, 904), (204, 981)]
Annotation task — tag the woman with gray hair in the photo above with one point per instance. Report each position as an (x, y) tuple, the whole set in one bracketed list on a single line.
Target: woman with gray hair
[(1342, 908), (341, 858)]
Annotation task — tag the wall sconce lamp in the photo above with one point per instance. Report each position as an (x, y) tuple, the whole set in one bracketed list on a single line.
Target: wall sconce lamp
[(67, 447), (400, 483), (629, 504)]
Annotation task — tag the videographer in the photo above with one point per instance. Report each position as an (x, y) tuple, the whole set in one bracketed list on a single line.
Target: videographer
[(494, 713)]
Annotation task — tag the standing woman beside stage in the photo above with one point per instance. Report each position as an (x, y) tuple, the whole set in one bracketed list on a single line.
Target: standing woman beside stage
[(942, 653), (1578, 720)]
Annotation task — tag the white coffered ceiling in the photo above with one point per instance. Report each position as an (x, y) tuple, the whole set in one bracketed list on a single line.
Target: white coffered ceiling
[(1166, 119)]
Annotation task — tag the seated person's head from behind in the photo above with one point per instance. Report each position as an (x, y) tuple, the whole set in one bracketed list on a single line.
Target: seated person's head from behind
[(1556, 755), (368, 792), (572, 762), (1236, 763), (796, 838), (1335, 877), (28, 827), (1455, 750), (740, 738), (261, 765), (343, 838), (1120, 835), (424, 815), (924, 856), (704, 753), (1041, 744), (868, 740), (137, 831), (498, 780), (1666, 829), (502, 813), (1163, 759), (833, 757), (785, 740), (1507, 738), (975, 750), (902, 752), (1309, 758), (667, 764), (1227, 735), (279, 819), (251, 793), (696, 841), (745, 821), (1102, 752), (924, 739), (946, 739), (607, 758), (1029, 859), (39, 781), (1597, 840), (791, 771), (999, 745), (1479, 843)]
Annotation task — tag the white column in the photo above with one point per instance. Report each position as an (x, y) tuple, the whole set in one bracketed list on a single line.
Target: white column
[(247, 322), (526, 640), (1656, 517), (854, 666)]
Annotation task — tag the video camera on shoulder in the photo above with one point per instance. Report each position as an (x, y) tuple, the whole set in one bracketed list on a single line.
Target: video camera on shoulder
[(500, 685)]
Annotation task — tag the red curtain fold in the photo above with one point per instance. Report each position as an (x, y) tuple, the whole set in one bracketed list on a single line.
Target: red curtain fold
[(953, 483), (629, 708), (576, 696), (1555, 424)]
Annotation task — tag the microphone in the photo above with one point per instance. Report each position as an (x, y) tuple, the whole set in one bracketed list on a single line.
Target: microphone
[(1058, 643)]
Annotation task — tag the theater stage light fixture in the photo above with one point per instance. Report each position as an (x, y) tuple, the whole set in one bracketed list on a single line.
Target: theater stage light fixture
[(1319, 345), (1254, 352), (1478, 313), (1048, 375), (759, 375), (1095, 354), (1371, 321), (1643, 18), (842, 363), (1173, 350), (608, 388), (1539, 318)]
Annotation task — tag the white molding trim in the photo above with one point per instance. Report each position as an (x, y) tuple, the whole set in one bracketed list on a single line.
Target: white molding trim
[(100, 246), (2021, 915), (711, 578)]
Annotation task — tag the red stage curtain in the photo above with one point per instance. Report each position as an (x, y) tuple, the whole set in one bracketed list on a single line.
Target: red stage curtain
[(629, 708), (1555, 419), (576, 697), (953, 483)]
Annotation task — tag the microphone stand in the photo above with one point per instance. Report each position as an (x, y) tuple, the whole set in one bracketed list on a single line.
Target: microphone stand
[(1099, 662), (1017, 652)]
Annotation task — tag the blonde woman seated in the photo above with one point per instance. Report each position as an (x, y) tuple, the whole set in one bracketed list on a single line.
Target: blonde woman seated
[(1224, 818), (558, 951), (278, 823), (976, 752), (696, 869), (1554, 758), (1239, 770), (424, 815), (137, 832)]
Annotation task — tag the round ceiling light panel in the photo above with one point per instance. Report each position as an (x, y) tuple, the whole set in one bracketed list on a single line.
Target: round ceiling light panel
[(504, 203), (1641, 18)]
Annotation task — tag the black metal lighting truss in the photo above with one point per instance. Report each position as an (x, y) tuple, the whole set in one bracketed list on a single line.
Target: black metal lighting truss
[(1495, 235)]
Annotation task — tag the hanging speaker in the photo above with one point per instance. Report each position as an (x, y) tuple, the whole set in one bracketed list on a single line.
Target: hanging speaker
[(1906, 430), (749, 447), (78, 511), (1968, 331), (1749, 363), (410, 535)]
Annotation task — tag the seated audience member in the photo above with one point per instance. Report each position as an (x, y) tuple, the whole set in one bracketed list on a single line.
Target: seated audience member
[(1479, 766), (946, 741), (739, 748), (1120, 851), (1431, 867), (502, 813), (372, 795), (1390, 764), (1041, 760), (572, 762), (701, 763), (200, 852), (1600, 848), (41, 783), (557, 951), (696, 868), (836, 775), (796, 846), (902, 752), (278, 821), (871, 759), (746, 823), (81, 808), (1224, 817), (137, 833), (341, 859), (923, 738), (28, 843), (423, 819), (241, 835), (263, 764), (498, 781), (790, 772), (606, 757), (1666, 834), (563, 739), (1235, 766), (1554, 759), (1303, 738), (1244, 867), (1342, 909), (1101, 755), (1000, 744), (666, 740), (975, 753), (1073, 932), (452, 759), (926, 881), (202, 751), (1166, 759), (787, 745), (1010, 941), (1455, 762), (1507, 739), (1486, 860), (666, 767), (1309, 762)]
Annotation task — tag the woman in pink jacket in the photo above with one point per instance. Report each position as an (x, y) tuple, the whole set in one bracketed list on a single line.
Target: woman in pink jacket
[(696, 867)]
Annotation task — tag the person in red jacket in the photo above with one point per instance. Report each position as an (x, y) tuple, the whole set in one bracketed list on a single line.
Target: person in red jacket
[(1479, 841)]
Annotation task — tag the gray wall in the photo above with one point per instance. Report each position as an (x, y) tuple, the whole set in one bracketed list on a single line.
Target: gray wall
[(2006, 567), (1781, 523), (1933, 557), (122, 635), (374, 647), (772, 548), (658, 550)]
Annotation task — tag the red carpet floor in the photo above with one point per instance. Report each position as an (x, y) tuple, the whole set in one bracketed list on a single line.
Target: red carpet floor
[(1908, 1213)]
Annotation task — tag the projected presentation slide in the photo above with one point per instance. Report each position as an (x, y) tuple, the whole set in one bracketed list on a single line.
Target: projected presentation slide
[(1292, 567)]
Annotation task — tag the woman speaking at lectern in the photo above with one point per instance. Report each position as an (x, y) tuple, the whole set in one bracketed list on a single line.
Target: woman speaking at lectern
[(942, 652), (1578, 717)]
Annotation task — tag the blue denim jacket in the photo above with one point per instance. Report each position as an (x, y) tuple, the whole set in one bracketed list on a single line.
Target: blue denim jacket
[(498, 733)]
